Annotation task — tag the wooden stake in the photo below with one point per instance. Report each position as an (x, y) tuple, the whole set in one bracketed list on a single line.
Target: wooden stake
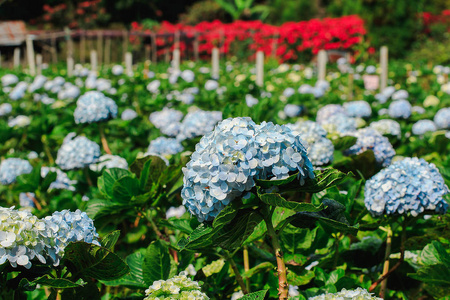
[(260, 68), (30, 56), (322, 64), (384, 67), (100, 46), (54, 53), (350, 87), (215, 63), (176, 59), (107, 59), (94, 60), (154, 48), (16, 58), (196, 53), (70, 64), (83, 47), (129, 63), (39, 64), (125, 43), (275, 45), (69, 42)]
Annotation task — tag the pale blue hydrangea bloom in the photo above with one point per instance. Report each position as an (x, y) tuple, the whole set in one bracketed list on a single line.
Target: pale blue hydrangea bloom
[(10, 168), (198, 122), (62, 182), (211, 85), (26, 200), (178, 287), (153, 87), (228, 160), (400, 94), (418, 109), (292, 110), (250, 100), (359, 109), (23, 238), (19, 121), (175, 212), (109, 161), (117, 70), (69, 91), (165, 146), (410, 186), (288, 92), (9, 79), (167, 120), (324, 113), (94, 107), (128, 114), (37, 83), (188, 75), (18, 91), (358, 294), (423, 126), (387, 126), (339, 123), (69, 227), (442, 118), (5, 109), (77, 153), (400, 109), (370, 139)]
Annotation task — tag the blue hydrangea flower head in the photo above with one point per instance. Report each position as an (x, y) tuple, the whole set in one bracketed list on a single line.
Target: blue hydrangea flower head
[(227, 160), (400, 109), (292, 110), (370, 139), (109, 161), (10, 168), (128, 114), (442, 118), (387, 126), (339, 123), (197, 123), (9, 79), (77, 153), (165, 146), (167, 120), (409, 186), (62, 182), (5, 109), (94, 107), (26, 200), (423, 126), (327, 111), (344, 294), (359, 109)]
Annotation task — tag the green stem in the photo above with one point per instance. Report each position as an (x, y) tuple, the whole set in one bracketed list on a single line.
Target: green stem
[(283, 287), (246, 266), (153, 224), (47, 150), (88, 178), (103, 139), (237, 274)]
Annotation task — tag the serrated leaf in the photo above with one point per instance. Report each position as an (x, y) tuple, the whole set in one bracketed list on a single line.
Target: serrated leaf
[(270, 183), (134, 279), (260, 295), (344, 142), (109, 177), (277, 200), (125, 188), (57, 283), (48, 180), (110, 240), (323, 180), (261, 268), (156, 265)]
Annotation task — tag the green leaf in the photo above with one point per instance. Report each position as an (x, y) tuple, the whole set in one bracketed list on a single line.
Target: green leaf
[(200, 238), (295, 239), (149, 170), (57, 283), (125, 188), (89, 260), (156, 265), (29, 182), (270, 183), (48, 180), (333, 218), (259, 295), (87, 292), (110, 240), (261, 268), (134, 279), (184, 225), (277, 200), (98, 208), (109, 177), (344, 142), (323, 180)]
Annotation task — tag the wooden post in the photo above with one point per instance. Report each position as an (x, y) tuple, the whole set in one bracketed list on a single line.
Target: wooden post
[(39, 64), (16, 58), (83, 47), (215, 63), (196, 54), (260, 68), (154, 48), (125, 43), (176, 59), (275, 45), (107, 59), (70, 64), (322, 64), (129, 63), (69, 42), (94, 60), (350, 87), (0, 59), (100, 46), (384, 67), (30, 56), (54, 53), (147, 48)]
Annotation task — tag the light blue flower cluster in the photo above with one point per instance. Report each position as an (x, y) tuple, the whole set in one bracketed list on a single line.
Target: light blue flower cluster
[(109, 161), (442, 118), (370, 139), (339, 123), (358, 294), (400, 109), (387, 126), (94, 107), (228, 160), (423, 126), (128, 114), (10, 168), (197, 123), (165, 146), (409, 186), (292, 110), (26, 200), (320, 149), (18, 91), (5, 109), (167, 120), (327, 111), (77, 153), (359, 109), (38, 83), (62, 181), (9, 79)]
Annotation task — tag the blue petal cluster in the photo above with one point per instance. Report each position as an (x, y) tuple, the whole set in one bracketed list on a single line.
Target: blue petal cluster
[(292, 110), (359, 109), (77, 153), (10, 168), (410, 186), (94, 107), (339, 123), (109, 161), (400, 109), (165, 146), (370, 139), (442, 118), (198, 123), (62, 181), (128, 114), (327, 111), (167, 120), (423, 126), (387, 126), (228, 160), (5, 109)]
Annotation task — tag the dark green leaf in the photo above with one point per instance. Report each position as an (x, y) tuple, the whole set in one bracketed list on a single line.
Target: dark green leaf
[(277, 200), (323, 180), (134, 279), (260, 295), (109, 177), (125, 188), (344, 142), (57, 283), (156, 265), (270, 183), (110, 240), (48, 180)]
